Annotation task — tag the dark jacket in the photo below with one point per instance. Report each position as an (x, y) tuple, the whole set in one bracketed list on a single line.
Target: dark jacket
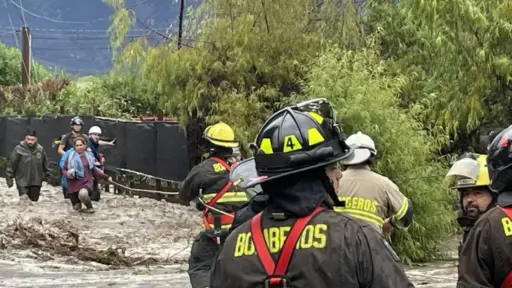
[(28, 165), (210, 177), (68, 139), (486, 256), (338, 252)]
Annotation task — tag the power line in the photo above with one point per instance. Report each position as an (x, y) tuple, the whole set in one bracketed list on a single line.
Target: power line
[(22, 13), (53, 20), (85, 38), (12, 25), (85, 30), (69, 48)]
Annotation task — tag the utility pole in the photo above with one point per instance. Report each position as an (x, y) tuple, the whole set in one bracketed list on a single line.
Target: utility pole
[(25, 55), (180, 28)]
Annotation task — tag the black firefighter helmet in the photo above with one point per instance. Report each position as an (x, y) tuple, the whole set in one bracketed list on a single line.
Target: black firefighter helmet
[(499, 162), (296, 139)]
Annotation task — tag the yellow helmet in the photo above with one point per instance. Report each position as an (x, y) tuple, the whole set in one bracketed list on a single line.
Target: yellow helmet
[(469, 171), (221, 134)]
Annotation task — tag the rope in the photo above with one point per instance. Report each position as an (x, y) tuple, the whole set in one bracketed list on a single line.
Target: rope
[(142, 190), (169, 193), (214, 209)]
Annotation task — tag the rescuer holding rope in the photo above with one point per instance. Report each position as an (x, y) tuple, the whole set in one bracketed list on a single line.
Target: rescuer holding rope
[(486, 256), (469, 175), (209, 188), (312, 245), (369, 196), (94, 145)]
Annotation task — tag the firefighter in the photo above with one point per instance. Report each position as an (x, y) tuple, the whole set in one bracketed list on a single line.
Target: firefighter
[(470, 177), (209, 188), (66, 141), (369, 196), (313, 245), (486, 256)]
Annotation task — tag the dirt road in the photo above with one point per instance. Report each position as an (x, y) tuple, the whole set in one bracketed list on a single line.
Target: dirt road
[(146, 230)]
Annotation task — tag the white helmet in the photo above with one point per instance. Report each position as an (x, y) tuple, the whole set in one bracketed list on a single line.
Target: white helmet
[(95, 130), (364, 148)]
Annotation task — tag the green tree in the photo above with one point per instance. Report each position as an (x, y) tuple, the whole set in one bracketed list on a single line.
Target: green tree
[(458, 55), (367, 99), (10, 67), (249, 58)]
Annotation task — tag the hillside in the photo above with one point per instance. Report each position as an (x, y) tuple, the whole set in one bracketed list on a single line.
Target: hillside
[(72, 34)]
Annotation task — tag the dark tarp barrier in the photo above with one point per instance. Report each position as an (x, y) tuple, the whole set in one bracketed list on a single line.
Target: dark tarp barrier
[(140, 147), (48, 128), (15, 128), (171, 152), (89, 121), (2, 136), (158, 149), (110, 129)]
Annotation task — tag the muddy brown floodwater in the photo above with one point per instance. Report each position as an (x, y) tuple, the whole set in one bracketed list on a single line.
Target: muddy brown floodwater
[(47, 244)]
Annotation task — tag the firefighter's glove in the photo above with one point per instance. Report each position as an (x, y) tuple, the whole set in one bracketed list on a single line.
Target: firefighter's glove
[(9, 182)]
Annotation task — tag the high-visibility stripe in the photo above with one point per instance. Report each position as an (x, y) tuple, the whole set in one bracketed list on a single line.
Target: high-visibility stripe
[(507, 283), (403, 209), (227, 226), (228, 197), (366, 216)]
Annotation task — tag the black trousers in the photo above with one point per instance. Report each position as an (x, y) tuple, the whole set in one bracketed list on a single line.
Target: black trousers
[(202, 257), (33, 192), (96, 192)]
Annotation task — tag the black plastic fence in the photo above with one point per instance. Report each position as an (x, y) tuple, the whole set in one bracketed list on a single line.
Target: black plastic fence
[(154, 148)]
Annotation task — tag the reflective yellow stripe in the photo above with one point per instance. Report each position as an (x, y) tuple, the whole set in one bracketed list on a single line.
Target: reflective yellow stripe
[(233, 199), (227, 197), (403, 209), (222, 226), (367, 216)]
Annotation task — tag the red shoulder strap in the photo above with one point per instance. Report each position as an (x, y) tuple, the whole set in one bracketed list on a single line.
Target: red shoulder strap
[(288, 247), (225, 188), (507, 210), (508, 281)]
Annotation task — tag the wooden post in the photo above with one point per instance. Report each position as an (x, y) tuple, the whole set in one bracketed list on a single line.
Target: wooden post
[(25, 55), (180, 27)]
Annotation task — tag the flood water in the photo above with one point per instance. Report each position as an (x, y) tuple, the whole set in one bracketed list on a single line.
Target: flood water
[(157, 235)]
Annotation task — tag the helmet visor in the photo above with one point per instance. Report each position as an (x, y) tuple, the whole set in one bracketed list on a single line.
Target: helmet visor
[(464, 172), (320, 106), (243, 174)]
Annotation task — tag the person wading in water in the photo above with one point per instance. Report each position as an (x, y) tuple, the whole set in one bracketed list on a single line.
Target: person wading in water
[(80, 172)]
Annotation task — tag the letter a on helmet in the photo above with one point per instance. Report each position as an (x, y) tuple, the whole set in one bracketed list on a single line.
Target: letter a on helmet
[(221, 134)]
